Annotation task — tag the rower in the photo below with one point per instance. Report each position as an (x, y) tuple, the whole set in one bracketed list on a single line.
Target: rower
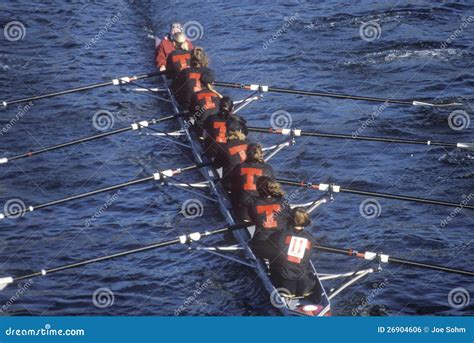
[(205, 102), (188, 81), (215, 127), (178, 59), (231, 153), (246, 176), (269, 213), (166, 46), (291, 268)]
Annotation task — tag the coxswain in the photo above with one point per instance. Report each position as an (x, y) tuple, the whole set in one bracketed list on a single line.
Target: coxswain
[(246, 176), (188, 81), (269, 213), (180, 58), (166, 46), (291, 267), (215, 127), (231, 153), (205, 102)]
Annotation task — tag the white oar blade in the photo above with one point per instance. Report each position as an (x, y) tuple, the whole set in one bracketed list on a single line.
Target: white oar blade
[(469, 146), (5, 281), (422, 103), (3, 160)]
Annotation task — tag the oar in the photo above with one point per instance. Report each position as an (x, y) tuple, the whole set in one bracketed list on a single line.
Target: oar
[(134, 126), (183, 239), (300, 133), (340, 189), (262, 88), (114, 82), (384, 258), (160, 175)]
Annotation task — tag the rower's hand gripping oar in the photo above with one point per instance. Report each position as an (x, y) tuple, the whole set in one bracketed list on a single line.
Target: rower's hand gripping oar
[(183, 239), (384, 258), (301, 133), (340, 189), (135, 126), (262, 88), (115, 82), (158, 176)]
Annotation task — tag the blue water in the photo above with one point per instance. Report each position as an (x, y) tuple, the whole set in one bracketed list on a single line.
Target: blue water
[(321, 48)]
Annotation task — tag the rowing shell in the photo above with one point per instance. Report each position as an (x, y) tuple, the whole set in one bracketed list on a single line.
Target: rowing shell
[(306, 306)]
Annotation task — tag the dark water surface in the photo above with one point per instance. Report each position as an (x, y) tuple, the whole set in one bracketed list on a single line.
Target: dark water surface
[(298, 44)]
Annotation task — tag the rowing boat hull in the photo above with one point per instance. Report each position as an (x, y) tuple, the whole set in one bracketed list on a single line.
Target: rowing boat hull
[(243, 236)]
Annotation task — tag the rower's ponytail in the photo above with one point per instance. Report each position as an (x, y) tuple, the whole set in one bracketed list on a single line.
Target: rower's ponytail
[(236, 135), (300, 217), (268, 187), (255, 153), (199, 58)]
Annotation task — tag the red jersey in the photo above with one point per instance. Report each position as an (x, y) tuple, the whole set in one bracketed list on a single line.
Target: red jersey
[(177, 60), (203, 104), (165, 47)]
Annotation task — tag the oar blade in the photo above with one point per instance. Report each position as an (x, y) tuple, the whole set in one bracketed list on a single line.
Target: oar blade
[(468, 146), (4, 282)]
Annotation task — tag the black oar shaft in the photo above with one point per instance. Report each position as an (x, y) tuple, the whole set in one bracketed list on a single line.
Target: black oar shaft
[(184, 239), (318, 93), (88, 139), (81, 89), (74, 142), (396, 260), (354, 137), (341, 189), (405, 198), (98, 191)]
